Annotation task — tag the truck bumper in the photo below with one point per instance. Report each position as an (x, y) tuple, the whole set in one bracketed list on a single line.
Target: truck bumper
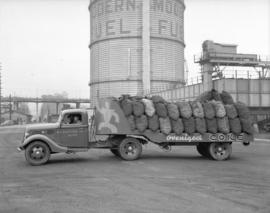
[(20, 148)]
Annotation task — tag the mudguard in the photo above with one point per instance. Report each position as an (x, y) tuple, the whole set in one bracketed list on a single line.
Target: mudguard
[(38, 137)]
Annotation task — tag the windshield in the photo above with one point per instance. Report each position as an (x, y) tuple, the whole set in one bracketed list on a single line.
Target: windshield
[(60, 118)]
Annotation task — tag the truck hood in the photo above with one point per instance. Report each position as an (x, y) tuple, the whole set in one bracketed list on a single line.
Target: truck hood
[(43, 126)]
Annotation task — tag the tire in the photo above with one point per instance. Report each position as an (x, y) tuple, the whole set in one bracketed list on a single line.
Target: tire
[(130, 149), (37, 153), (203, 148), (115, 152), (220, 151)]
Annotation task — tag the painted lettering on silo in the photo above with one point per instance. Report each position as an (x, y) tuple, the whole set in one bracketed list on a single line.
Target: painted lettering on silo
[(111, 19)]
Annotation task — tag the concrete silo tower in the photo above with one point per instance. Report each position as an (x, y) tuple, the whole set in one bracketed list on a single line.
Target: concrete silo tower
[(137, 46)]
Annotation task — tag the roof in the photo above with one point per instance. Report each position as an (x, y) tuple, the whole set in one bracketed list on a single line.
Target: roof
[(74, 111)]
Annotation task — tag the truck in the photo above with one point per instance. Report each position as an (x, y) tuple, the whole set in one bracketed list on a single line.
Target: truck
[(106, 127)]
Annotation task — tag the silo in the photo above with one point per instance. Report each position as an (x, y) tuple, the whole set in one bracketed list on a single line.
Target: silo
[(137, 46)]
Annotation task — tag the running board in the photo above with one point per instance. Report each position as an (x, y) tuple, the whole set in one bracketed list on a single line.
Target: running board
[(100, 145), (74, 150)]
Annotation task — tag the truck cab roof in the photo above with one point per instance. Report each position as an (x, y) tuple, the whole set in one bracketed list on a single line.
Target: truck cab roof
[(74, 111)]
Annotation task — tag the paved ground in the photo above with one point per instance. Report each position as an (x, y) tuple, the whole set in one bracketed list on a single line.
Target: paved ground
[(179, 181)]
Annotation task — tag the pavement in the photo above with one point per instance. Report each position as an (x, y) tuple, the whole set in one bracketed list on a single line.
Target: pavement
[(98, 182)]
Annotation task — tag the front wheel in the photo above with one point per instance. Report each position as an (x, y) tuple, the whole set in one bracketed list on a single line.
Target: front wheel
[(220, 151), (37, 153), (130, 149)]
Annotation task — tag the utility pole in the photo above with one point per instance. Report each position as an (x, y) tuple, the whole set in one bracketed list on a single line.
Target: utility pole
[(0, 94)]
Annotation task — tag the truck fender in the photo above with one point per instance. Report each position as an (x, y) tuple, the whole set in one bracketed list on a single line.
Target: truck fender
[(143, 139), (54, 147)]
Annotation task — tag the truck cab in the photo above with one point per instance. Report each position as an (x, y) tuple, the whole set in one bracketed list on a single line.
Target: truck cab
[(69, 134), (73, 129)]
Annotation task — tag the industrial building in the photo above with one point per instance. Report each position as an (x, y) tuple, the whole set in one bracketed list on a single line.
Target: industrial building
[(250, 86), (137, 46)]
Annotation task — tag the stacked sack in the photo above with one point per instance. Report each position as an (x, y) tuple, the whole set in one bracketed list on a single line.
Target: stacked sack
[(211, 112), (229, 116)]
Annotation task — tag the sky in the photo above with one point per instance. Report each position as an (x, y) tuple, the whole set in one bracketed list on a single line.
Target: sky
[(44, 43)]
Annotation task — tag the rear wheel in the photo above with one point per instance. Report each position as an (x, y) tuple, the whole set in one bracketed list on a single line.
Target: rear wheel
[(130, 149), (37, 153), (220, 151), (202, 148)]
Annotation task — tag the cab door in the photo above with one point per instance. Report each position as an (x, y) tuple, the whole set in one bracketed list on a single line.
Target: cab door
[(73, 135)]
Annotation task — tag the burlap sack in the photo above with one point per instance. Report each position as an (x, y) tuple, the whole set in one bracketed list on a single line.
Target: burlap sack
[(209, 110), (173, 111), (226, 98), (216, 95), (231, 111), (242, 109), (161, 110), (204, 97), (223, 125), (158, 99), (211, 125), (189, 125), (184, 109), (197, 109), (126, 106), (177, 126), (136, 98), (219, 109), (124, 96), (247, 126), (153, 123), (141, 123), (165, 125), (138, 108), (131, 121), (235, 126), (149, 107), (200, 125)]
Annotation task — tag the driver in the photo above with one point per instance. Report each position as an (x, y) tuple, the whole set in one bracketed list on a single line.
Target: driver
[(67, 120)]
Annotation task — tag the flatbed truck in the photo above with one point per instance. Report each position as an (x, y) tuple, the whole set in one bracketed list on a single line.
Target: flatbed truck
[(108, 128)]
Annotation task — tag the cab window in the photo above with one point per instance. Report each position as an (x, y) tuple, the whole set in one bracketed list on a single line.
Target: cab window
[(72, 119)]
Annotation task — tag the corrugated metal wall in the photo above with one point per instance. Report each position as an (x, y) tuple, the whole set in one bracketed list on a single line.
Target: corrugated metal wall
[(116, 46), (253, 92)]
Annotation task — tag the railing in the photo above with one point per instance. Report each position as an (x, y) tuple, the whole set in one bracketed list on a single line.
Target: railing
[(244, 74), (44, 100), (194, 80), (259, 59)]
